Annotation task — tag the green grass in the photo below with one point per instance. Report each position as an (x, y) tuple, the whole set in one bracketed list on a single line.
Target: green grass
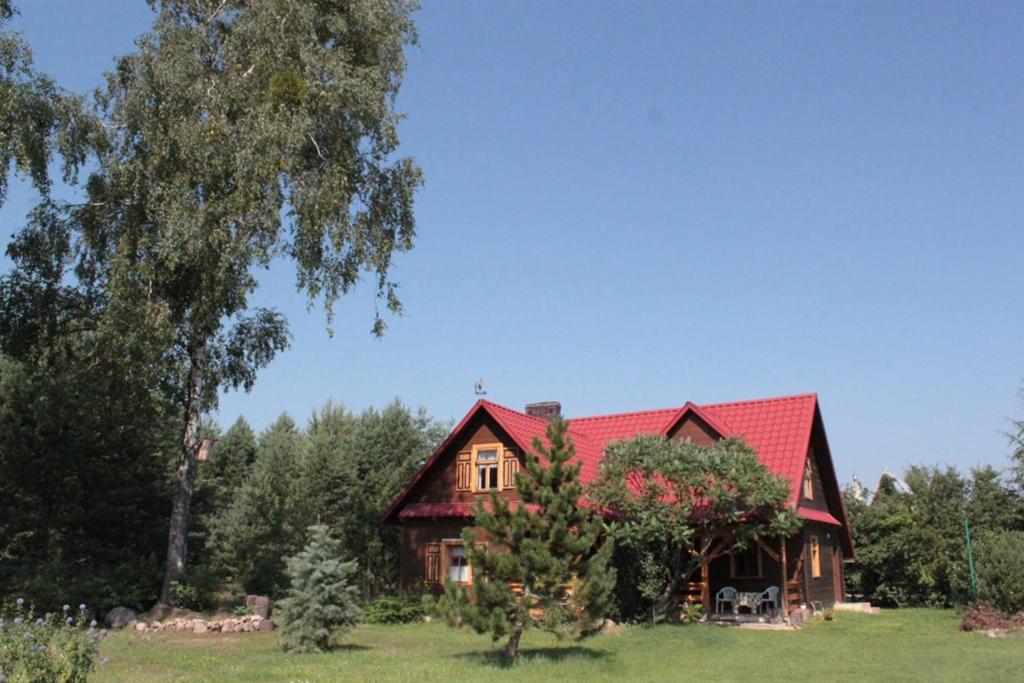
[(906, 645)]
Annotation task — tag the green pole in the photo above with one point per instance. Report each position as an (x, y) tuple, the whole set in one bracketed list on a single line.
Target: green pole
[(970, 558)]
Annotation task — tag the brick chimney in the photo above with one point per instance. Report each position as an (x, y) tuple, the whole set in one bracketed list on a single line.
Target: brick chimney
[(545, 410)]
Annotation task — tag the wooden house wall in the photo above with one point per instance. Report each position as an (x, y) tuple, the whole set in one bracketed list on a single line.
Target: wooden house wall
[(823, 588), (820, 499), (438, 485)]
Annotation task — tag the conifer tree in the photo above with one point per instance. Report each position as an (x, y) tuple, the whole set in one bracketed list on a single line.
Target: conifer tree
[(547, 545), (321, 606), (265, 520)]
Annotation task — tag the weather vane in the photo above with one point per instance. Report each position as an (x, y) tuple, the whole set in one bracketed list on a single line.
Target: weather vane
[(478, 387)]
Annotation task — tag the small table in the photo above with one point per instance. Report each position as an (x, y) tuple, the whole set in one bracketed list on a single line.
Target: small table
[(750, 600)]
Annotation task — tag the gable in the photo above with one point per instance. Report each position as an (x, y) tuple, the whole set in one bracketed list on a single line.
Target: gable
[(694, 428), (438, 485)]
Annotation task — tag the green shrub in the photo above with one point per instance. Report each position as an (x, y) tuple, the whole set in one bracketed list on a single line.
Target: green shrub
[(321, 606), (690, 613), (389, 609), (55, 647), (999, 561), (197, 589)]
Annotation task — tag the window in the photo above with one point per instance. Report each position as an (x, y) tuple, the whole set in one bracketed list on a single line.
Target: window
[(746, 564), (815, 558), (458, 564), (809, 480), (486, 468)]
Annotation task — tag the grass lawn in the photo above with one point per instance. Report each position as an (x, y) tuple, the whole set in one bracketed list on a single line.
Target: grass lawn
[(905, 645)]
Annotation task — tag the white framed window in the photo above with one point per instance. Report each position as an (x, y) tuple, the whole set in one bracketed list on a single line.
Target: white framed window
[(458, 563), (485, 462)]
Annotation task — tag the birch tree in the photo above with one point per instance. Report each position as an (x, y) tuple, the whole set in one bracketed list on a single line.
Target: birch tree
[(241, 133)]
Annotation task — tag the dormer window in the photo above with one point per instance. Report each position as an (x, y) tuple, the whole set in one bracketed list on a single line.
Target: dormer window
[(809, 481), (487, 469)]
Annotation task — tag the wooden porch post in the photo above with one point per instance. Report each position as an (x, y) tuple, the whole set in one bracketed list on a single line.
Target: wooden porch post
[(784, 589), (705, 588)]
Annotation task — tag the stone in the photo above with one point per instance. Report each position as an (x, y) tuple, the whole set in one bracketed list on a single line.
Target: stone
[(260, 605), (610, 626), (199, 626), (140, 626), (862, 607), (119, 617), (227, 626)]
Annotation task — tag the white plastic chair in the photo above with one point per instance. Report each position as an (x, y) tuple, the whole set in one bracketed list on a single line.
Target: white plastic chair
[(726, 595), (770, 596)]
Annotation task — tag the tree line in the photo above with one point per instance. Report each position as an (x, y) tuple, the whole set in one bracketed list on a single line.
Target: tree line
[(87, 469), (911, 536)]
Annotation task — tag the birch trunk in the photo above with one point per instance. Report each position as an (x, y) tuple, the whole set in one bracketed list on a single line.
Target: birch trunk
[(177, 538)]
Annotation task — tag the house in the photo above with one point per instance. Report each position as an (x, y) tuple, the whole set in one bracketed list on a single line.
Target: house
[(485, 450)]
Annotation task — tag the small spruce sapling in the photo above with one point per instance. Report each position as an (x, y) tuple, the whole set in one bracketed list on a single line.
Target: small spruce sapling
[(547, 546), (322, 603)]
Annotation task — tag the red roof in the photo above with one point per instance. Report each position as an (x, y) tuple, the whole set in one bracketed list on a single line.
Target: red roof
[(778, 429), (817, 516), (420, 510)]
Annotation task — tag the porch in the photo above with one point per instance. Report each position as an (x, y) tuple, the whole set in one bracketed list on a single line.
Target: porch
[(757, 585)]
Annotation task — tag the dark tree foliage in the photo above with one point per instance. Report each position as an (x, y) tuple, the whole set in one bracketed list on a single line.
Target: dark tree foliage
[(267, 518), (342, 471), (83, 499), (551, 549), (911, 546)]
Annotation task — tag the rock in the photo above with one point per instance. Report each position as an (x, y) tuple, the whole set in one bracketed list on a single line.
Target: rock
[(119, 617), (140, 626), (199, 626), (227, 626), (610, 626), (260, 605)]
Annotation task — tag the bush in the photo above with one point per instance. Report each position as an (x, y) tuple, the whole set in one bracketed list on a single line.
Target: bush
[(55, 647), (197, 589), (388, 609), (1000, 567), (321, 606)]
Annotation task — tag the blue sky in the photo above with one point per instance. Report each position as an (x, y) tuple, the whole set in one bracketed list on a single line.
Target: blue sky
[(632, 205)]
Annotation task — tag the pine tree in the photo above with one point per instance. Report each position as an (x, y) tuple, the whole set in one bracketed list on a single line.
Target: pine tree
[(547, 545), (265, 520), (321, 606)]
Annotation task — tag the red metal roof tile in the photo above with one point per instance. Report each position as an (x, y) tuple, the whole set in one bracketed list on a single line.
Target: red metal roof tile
[(817, 516), (778, 429)]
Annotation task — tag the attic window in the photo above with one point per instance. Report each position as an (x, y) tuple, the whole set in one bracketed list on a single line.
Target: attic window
[(809, 481), (486, 463)]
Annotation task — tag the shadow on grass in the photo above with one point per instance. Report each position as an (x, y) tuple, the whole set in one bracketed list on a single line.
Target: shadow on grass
[(350, 647), (496, 658)]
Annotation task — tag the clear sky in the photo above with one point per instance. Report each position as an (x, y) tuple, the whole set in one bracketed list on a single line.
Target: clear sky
[(632, 205)]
